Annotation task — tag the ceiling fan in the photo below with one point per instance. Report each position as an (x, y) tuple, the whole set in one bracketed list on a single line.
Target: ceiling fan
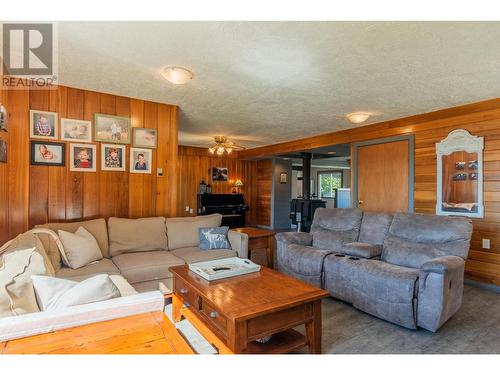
[(223, 145)]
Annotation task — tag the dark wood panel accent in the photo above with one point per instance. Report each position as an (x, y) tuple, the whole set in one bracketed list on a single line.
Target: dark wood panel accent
[(264, 191)]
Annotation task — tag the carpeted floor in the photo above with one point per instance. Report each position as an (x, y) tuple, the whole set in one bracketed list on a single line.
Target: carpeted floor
[(474, 329)]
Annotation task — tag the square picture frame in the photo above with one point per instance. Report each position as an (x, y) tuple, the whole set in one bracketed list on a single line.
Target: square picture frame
[(144, 138), (73, 130), (140, 160), (47, 153), (111, 129), (82, 157), (43, 125), (113, 157), (219, 174), (283, 178)]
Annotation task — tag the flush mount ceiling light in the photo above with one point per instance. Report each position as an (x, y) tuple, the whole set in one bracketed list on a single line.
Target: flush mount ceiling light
[(177, 75), (358, 117), (223, 145)]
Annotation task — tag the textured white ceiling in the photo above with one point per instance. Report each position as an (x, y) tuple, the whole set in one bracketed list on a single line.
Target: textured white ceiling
[(266, 82)]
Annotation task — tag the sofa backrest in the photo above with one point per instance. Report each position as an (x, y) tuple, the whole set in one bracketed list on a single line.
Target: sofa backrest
[(334, 227), (414, 239), (96, 227), (136, 235), (183, 231), (374, 227)]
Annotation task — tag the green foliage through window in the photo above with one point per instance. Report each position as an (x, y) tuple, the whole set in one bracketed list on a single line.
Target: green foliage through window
[(328, 181)]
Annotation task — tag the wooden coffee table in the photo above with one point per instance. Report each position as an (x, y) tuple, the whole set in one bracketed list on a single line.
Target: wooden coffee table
[(242, 309)]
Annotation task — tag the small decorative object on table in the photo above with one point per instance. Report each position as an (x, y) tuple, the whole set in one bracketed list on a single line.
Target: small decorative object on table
[(223, 268)]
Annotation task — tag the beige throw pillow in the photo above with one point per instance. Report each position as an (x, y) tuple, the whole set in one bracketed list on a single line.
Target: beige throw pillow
[(53, 293), (79, 248), (183, 231)]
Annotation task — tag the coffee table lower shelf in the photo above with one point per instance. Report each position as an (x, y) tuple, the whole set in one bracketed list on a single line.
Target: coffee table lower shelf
[(280, 343)]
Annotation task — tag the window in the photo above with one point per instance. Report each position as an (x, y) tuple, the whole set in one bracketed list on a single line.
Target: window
[(327, 182)]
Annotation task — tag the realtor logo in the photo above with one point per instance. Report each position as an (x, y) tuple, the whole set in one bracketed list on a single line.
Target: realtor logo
[(29, 55)]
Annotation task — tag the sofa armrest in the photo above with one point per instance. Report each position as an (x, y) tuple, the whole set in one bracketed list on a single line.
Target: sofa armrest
[(362, 250), (442, 265), (298, 238), (239, 243)]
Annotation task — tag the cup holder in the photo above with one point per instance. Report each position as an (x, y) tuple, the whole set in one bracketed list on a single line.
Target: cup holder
[(340, 255), (353, 258)]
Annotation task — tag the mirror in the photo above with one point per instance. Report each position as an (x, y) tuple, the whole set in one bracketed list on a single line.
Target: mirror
[(460, 175)]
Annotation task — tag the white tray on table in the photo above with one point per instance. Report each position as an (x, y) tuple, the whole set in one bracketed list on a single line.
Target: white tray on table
[(223, 268)]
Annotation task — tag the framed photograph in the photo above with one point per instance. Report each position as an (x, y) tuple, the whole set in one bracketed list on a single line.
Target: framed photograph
[(473, 165), (459, 177), (460, 165), (144, 137), (47, 153), (140, 160), (473, 176), (3, 151), (3, 118), (114, 129), (43, 125), (112, 157), (76, 130), (283, 178), (219, 174), (82, 157)]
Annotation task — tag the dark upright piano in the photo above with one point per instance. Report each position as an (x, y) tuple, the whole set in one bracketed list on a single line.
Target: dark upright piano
[(231, 206)]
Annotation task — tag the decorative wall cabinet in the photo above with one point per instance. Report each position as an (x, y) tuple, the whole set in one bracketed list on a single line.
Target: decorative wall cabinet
[(460, 175)]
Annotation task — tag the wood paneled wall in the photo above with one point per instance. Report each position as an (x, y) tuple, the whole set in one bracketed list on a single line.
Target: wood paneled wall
[(482, 119), (264, 189), (195, 164), (38, 194)]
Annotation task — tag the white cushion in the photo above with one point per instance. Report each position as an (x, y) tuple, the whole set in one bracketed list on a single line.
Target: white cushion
[(54, 293), (79, 248)]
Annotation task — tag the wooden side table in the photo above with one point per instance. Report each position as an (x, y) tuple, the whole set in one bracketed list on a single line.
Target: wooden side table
[(259, 239)]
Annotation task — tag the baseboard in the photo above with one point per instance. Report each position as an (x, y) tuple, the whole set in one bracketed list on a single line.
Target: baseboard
[(490, 287)]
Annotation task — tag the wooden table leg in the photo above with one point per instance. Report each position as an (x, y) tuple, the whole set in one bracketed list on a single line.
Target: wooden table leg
[(176, 308), (313, 329), (270, 252)]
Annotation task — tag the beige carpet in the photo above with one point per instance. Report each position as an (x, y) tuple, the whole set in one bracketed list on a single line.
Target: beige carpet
[(474, 329)]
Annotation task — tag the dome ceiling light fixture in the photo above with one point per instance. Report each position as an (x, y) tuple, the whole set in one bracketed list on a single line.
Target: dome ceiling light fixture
[(177, 74), (358, 117), (223, 145)]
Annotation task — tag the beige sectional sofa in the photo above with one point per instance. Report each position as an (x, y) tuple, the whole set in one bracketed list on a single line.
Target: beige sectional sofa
[(142, 250)]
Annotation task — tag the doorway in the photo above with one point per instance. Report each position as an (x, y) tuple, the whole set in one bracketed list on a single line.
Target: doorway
[(383, 174)]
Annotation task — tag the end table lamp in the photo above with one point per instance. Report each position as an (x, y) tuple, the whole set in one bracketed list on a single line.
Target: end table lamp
[(238, 184)]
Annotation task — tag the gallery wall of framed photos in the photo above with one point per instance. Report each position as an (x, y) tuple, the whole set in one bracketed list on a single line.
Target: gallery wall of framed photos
[(78, 177)]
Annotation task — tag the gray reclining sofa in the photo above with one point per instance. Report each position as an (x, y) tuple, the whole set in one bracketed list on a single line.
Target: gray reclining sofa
[(405, 268)]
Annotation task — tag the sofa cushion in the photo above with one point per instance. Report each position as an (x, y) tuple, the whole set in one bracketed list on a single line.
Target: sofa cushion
[(17, 265), (79, 248), (334, 227), (305, 260), (374, 227), (146, 266), (414, 239), (194, 254), (183, 231), (102, 266), (136, 235), (53, 293), (96, 227)]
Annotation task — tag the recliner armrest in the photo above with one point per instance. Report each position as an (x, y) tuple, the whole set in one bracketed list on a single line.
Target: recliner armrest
[(443, 264), (239, 243), (362, 250), (298, 238)]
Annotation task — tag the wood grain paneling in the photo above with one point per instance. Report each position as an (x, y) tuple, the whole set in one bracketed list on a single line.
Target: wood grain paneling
[(37, 194), (480, 119), (195, 164), (264, 191)]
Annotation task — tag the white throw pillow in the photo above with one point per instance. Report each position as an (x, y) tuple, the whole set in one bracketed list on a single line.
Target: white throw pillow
[(79, 248), (54, 293)]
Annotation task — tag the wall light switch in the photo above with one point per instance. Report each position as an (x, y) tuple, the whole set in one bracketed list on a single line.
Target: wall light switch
[(159, 172), (191, 211), (486, 243), (187, 208)]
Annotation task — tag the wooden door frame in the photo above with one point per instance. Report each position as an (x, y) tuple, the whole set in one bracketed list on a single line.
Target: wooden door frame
[(411, 165)]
